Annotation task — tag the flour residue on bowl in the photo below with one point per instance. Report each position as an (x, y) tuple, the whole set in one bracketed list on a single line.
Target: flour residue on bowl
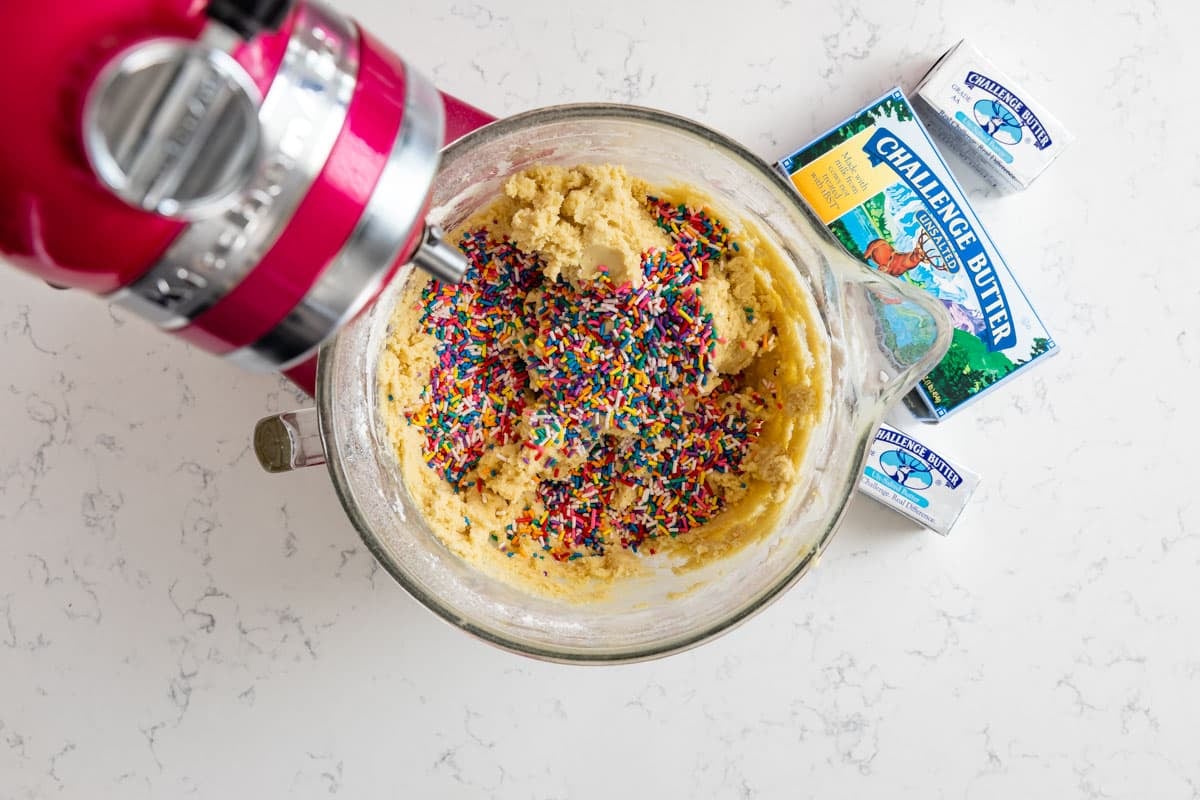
[(625, 380)]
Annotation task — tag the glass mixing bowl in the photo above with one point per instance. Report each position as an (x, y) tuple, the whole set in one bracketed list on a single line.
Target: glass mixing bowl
[(883, 336)]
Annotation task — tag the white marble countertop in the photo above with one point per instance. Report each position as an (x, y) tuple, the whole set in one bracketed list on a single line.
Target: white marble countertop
[(174, 622)]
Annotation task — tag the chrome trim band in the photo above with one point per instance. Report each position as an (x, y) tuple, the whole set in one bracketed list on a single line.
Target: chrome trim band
[(356, 273), (301, 116)]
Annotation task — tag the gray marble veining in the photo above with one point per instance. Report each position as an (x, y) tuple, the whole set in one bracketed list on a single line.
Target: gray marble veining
[(175, 623)]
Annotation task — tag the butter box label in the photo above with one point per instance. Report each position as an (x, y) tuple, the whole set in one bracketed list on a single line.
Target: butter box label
[(879, 184), (909, 477), (985, 116)]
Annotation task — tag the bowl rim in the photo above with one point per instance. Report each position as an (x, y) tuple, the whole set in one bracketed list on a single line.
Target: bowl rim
[(327, 413)]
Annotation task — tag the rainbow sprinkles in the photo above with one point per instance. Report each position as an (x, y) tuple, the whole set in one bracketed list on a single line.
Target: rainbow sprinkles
[(624, 383), (621, 376)]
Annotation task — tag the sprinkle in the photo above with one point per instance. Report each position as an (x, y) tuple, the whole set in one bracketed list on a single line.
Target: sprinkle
[(612, 376)]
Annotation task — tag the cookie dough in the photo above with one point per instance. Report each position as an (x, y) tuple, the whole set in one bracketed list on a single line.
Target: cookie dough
[(625, 378)]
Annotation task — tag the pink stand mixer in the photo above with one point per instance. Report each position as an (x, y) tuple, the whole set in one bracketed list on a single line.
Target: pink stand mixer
[(246, 175)]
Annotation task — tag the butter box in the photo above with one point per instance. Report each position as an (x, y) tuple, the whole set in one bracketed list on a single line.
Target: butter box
[(988, 118), (880, 185), (912, 479)]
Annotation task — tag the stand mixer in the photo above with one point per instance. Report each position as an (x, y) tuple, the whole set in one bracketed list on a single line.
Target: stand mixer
[(245, 175)]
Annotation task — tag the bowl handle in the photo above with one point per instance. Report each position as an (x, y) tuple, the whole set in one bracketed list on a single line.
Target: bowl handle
[(288, 441)]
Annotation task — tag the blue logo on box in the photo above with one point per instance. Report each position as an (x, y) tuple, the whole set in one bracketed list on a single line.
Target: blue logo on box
[(1010, 113), (997, 121), (912, 464), (903, 473), (903, 491), (906, 469)]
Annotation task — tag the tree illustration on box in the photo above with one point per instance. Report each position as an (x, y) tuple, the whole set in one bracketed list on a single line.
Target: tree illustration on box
[(838, 228), (890, 108), (968, 368), (875, 208), (952, 375), (1040, 345)]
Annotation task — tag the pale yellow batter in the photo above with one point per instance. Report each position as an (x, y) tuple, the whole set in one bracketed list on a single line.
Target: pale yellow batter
[(769, 365)]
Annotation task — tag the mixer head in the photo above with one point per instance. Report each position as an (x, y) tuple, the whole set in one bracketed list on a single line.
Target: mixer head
[(275, 162)]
